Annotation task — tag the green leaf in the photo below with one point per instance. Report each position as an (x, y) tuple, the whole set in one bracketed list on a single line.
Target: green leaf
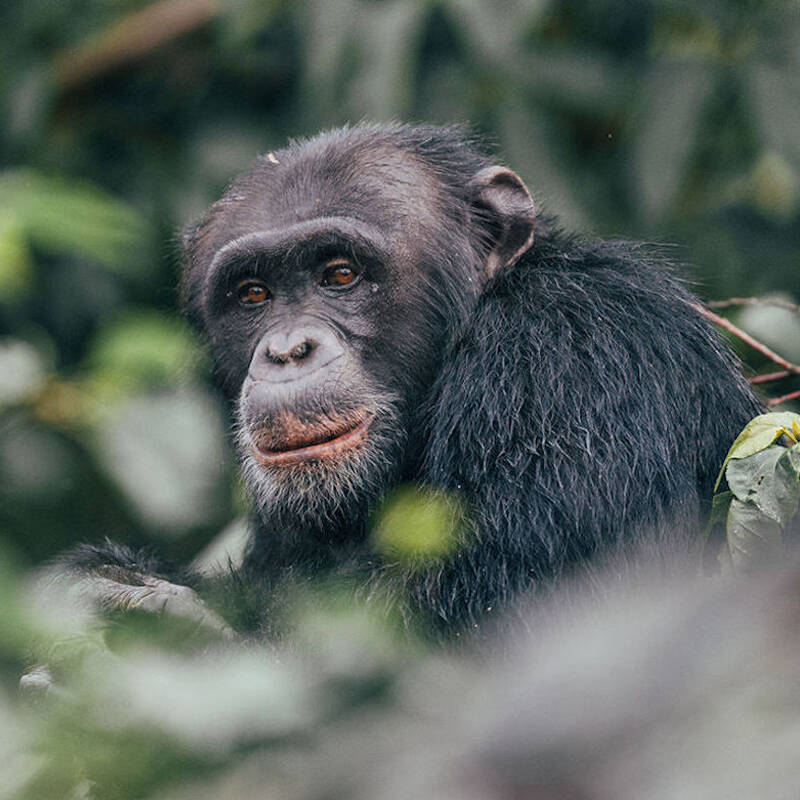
[(760, 433), (16, 267), (69, 217), (754, 540), (767, 480), (144, 347), (719, 512), (166, 452), (790, 461), (418, 524), (711, 540), (788, 472)]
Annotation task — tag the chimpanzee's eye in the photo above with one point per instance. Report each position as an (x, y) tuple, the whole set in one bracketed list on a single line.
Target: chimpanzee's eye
[(339, 272), (252, 293)]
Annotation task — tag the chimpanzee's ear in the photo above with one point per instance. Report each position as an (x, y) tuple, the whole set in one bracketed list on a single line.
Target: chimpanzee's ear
[(505, 212)]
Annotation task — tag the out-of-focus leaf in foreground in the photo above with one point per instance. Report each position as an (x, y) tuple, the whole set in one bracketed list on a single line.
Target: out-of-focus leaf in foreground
[(70, 217), (167, 452), (417, 524)]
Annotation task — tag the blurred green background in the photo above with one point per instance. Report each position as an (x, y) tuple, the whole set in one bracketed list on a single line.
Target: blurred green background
[(121, 120)]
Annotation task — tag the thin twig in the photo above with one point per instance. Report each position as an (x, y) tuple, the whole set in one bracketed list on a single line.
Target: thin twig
[(776, 401), (132, 38), (769, 377), (748, 339), (754, 301)]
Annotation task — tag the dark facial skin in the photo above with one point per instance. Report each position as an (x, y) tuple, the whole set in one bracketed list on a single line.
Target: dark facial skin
[(329, 281)]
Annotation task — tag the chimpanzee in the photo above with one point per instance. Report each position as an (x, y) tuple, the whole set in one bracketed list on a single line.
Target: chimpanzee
[(385, 305)]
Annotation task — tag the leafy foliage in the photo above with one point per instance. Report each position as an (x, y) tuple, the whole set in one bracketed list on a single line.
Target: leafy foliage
[(762, 470)]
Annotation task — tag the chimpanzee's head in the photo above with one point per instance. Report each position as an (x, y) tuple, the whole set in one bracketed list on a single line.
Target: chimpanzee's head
[(328, 281)]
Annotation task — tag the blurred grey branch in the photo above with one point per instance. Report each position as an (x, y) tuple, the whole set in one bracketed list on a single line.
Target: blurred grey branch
[(132, 38), (754, 301)]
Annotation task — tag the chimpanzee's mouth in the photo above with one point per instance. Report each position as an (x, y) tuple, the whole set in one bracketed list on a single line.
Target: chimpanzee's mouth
[(295, 442)]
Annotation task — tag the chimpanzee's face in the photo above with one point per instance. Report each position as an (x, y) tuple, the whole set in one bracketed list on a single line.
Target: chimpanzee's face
[(328, 280), (327, 308)]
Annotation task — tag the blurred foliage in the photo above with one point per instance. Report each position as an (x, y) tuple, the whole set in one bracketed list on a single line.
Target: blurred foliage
[(686, 690), (120, 121), (139, 705), (123, 119), (416, 525)]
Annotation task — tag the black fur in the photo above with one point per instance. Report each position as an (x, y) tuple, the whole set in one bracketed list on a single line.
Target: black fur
[(576, 400)]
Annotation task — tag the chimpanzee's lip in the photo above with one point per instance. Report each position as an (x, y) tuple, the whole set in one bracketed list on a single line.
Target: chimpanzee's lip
[(330, 444)]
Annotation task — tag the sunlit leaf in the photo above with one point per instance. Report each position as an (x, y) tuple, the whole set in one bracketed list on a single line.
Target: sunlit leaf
[(759, 434), (16, 266), (418, 524)]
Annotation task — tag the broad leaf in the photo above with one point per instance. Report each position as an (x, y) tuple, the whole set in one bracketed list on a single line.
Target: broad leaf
[(719, 512), (766, 479), (754, 540), (712, 538), (760, 433)]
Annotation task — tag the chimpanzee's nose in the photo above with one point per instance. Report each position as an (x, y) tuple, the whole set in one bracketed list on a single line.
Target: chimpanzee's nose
[(284, 355)]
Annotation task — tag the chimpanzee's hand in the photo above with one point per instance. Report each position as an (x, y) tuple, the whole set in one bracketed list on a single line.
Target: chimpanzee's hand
[(101, 584)]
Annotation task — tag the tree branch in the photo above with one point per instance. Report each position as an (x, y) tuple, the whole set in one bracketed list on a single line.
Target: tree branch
[(776, 401), (789, 369), (769, 377), (132, 38), (748, 339), (754, 301)]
